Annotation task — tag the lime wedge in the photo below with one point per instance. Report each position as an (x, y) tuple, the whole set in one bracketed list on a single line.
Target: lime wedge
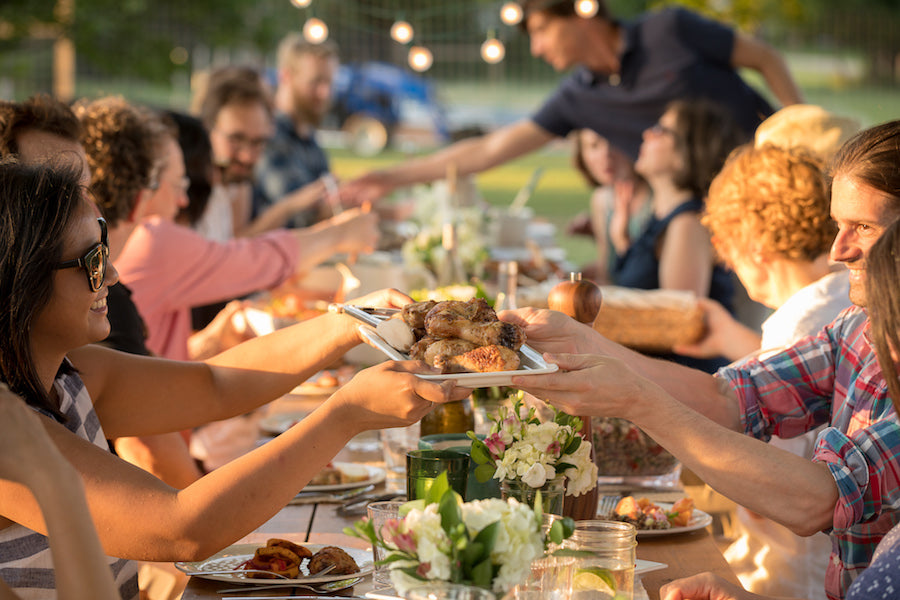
[(594, 579)]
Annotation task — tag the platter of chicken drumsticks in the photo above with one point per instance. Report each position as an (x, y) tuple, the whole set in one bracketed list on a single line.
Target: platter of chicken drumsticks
[(464, 340)]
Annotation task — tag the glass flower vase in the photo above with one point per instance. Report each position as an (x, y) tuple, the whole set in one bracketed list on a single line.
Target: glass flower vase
[(552, 493)]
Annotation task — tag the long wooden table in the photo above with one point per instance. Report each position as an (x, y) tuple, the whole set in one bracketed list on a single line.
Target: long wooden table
[(685, 553)]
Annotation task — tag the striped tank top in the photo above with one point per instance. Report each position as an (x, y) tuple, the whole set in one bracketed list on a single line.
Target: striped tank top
[(26, 564)]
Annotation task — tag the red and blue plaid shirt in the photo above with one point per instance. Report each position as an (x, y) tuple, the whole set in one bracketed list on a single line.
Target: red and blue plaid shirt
[(833, 378)]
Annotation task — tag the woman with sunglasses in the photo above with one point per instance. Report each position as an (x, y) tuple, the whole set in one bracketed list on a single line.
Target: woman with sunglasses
[(679, 157), (54, 279)]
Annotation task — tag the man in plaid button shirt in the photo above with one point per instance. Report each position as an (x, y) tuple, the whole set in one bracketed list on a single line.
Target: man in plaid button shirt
[(851, 488)]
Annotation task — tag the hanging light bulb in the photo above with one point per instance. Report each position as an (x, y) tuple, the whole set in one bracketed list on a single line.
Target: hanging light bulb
[(586, 8), (420, 58), (401, 32), (315, 31), (301, 3), (492, 50), (511, 13)]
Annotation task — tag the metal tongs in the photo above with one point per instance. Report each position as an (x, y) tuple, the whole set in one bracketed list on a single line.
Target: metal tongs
[(370, 315)]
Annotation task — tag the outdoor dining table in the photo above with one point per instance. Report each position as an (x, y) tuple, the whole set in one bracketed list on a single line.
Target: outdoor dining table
[(685, 553)]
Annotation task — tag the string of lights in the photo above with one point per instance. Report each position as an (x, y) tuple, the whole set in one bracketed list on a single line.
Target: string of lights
[(419, 56)]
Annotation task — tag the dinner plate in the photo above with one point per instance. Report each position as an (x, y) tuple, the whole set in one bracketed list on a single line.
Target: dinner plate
[(280, 422), (531, 363), (376, 475), (233, 556), (647, 566), (699, 520)]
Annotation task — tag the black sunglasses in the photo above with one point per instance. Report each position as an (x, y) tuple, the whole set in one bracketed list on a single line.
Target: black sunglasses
[(94, 261)]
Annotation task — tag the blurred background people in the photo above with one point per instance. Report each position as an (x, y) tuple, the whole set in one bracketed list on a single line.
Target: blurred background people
[(624, 75), (619, 205), (678, 159), (293, 158)]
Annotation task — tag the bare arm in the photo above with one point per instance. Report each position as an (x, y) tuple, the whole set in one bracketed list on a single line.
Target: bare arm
[(279, 214), (725, 335), (28, 457), (554, 332), (139, 395), (471, 155), (754, 54), (139, 517), (799, 493), (685, 261)]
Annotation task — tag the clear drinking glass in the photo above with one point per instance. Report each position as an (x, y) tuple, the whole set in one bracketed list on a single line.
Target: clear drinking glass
[(550, 579), (379, 514), (396, 442)]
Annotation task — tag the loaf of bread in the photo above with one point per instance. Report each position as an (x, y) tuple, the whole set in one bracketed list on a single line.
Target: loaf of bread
[(651, 321)]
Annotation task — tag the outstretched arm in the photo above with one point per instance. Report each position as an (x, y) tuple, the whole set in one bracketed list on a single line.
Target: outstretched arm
[(799, 493), (471, 155), (28, 457), (755, 54)]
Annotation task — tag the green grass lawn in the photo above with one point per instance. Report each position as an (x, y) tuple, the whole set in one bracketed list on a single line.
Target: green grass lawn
[(560, 194)]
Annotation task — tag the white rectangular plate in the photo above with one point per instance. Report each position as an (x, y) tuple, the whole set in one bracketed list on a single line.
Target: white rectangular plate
[(532, 363)]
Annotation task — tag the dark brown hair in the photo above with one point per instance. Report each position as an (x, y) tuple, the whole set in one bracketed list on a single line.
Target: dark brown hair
[(883, 304), (872, 157), (705, 133), (38, 113), (39, 203), (124, 146), (557, 8), (232, 85)]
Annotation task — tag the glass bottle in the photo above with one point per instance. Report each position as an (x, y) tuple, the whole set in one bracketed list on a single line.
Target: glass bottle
[(450, 271), (449, 417), (507, 286), (608, 572)]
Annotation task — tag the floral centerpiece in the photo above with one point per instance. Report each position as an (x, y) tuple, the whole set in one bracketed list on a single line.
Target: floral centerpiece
[(433, 210), (528, 453), (484, 543)]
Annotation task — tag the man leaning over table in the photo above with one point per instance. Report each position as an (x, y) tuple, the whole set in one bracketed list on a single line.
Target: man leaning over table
[(851, 488), (625, 73)]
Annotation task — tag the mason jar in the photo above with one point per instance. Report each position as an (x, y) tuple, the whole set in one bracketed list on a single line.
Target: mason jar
[(607, 571)]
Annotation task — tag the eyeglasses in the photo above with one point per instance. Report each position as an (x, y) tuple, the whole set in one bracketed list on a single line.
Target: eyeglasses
[(94, 261), (239, 141), (659, 129)]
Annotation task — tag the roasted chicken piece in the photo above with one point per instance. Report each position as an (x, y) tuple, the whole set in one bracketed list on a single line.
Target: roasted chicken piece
[(332, 555), (439, 352), (482, 359), (474, 321), (413, 314), (417, 350)]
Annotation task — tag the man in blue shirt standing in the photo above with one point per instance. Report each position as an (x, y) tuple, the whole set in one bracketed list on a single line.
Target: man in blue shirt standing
[(293, 159), (623, 76)]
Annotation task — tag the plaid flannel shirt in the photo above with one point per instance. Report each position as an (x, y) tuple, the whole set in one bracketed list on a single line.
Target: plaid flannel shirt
[(288, 163), (833, 378)]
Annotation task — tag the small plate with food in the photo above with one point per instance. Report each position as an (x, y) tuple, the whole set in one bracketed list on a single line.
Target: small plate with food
[(465, 340), (281, 561), (338, 476), (662, 518)]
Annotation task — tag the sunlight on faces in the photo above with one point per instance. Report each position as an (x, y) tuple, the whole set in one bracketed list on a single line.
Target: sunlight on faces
[(238, 139), (170, 195), (862, 213), (658, 154), (75, 315), (556, 40), (604, 161), (310, 80)]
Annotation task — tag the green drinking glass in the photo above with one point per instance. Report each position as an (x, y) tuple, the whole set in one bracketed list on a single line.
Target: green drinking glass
[(423, 466)]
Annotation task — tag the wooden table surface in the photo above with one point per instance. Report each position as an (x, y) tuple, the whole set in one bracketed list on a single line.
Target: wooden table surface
[(684, 553)]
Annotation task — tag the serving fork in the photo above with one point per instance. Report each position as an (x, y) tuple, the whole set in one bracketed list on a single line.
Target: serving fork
[(607, 505)]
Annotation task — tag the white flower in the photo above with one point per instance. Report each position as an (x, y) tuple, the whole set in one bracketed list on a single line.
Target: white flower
[(535, 476), (432, 544), (583, 477)]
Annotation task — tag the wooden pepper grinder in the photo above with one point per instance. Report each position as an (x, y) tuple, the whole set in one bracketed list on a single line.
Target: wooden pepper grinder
[(580, 299)]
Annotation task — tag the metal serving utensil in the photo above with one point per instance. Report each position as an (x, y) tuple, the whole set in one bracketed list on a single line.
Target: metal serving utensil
[(323, 588)]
